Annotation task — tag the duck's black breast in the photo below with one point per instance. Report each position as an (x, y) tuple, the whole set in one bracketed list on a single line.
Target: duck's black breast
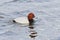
[(31, 21)]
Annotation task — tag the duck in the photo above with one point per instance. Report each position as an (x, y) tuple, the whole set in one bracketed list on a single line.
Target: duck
[(29, 19)]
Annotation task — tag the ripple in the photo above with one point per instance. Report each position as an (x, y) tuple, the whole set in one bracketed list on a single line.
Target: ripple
[(1, 17), (8, 33)]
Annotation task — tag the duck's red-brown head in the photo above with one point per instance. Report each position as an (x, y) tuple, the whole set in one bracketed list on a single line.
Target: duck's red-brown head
[(30, 16)]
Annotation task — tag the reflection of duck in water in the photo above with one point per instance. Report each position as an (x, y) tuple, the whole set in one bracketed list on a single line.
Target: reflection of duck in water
[(33, 33), (25, 20)]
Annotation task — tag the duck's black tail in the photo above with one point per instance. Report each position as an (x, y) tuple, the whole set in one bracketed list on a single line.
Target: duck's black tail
[(14, 21)]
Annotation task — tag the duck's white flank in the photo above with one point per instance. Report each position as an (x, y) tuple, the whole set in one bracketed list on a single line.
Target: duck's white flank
[(22, 20)]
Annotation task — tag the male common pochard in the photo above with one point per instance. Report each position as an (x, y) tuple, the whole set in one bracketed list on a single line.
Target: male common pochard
[(25, 20)]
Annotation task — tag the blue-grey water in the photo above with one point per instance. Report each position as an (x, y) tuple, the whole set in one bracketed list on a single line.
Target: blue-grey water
[(47, 19)]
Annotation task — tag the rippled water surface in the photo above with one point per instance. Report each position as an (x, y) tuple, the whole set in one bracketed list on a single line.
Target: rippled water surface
[(47, 20)]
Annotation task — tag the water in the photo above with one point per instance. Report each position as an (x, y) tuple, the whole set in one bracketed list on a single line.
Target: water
[(47, 20)]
